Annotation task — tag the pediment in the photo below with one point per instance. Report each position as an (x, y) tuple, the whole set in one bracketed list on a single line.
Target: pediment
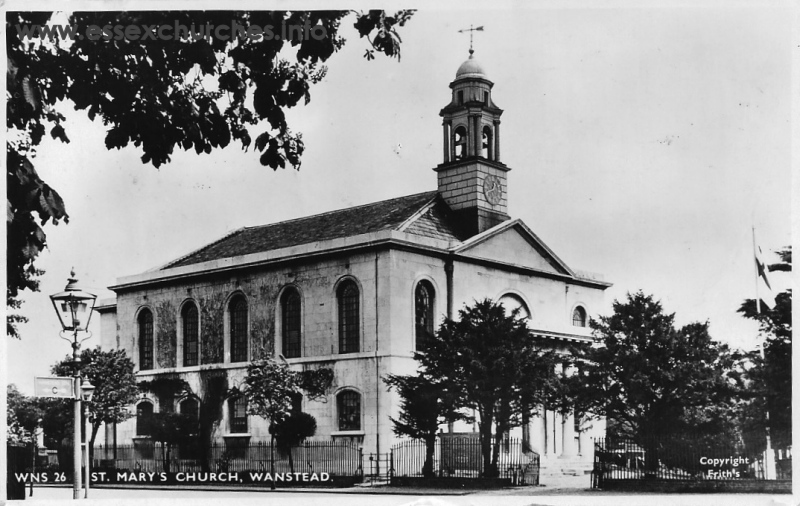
[(512, 242)]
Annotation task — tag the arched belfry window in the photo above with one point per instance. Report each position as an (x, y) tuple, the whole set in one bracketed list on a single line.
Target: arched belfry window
[(348, 301), (460, 142), (487, 144), (145, 321), (511, 302), (238, 319), (423, 314), (291, 343), (579, 317), (191, 329)]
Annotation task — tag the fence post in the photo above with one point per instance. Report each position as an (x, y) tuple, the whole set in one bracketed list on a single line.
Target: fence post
[(391, 464)]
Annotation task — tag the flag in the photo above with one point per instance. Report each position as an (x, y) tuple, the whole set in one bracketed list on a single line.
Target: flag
[(763, 287)]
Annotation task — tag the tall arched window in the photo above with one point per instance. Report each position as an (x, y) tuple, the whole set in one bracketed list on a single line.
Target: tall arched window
[(145, 340), (191, 328), (511, 302), (460, 142), (423, 314), (579, 317), (144, 417), (486, 144), (348, 300), (190, 407), (238, 319), (348, 406), (238, 415), (291, 343)]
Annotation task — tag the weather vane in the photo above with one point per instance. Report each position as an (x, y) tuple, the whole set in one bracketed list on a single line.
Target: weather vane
[(471, 31)]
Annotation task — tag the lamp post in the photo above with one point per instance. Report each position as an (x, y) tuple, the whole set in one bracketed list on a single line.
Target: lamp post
[(87, 391), (74, 309)]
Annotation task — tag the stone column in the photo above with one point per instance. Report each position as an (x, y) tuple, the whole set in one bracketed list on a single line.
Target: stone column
[(568, 448), (497, 140), (446, 141)]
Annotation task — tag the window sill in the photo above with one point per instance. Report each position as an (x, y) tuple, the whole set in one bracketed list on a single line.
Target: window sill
[(141, 438), (237, 434), (347, 433)]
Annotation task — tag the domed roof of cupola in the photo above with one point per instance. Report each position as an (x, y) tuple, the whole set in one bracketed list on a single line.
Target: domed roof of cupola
[(470, 69)]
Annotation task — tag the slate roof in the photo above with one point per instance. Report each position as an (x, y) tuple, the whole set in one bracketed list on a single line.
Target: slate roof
[(385, 215)]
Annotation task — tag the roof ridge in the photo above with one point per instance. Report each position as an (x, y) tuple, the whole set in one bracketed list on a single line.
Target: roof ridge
[(418, 213), (335, 211), (198, 250)]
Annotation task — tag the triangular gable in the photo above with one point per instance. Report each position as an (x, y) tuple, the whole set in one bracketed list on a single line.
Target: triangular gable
[(512, 242)]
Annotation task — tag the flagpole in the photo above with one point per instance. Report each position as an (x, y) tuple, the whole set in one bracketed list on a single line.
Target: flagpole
[(755, 257), (769, 456)]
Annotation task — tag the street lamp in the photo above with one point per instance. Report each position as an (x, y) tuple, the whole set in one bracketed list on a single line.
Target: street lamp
[(74, 309)]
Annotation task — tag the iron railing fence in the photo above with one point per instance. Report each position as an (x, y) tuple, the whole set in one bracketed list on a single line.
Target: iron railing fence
[(462, 458), (678, 458), (331, 457)]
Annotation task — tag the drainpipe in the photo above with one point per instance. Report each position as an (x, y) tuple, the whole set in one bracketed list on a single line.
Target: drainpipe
[(377, 378), (448, 272)]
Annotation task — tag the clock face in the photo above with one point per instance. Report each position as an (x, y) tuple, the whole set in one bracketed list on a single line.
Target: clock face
[(493, 189)]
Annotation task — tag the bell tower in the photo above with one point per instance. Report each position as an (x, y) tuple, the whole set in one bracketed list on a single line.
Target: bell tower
[(471, 178)]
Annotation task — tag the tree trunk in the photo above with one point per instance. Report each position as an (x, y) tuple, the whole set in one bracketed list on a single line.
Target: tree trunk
[(291, 462), (650, 458), (167, 455), (485, 430), (430, 449), (498, 437), (95, 429)]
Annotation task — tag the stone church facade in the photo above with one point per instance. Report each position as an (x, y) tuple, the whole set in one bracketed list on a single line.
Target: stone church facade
[(356, 290)]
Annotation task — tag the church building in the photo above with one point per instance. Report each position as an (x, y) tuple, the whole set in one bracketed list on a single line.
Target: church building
[(357, 290)]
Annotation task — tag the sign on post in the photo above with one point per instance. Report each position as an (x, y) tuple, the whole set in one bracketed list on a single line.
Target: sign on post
[(54, 387)]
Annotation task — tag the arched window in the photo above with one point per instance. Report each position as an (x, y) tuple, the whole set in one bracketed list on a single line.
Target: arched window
[(579, 317), (145, 340), (460, 142), (144, 418), (291, 343), (190, 407), (348, 299), (238, 415), (511, 302), (486, 143), (423, 314), (297, 403), (348, 406), (191, 328), (238, 319)]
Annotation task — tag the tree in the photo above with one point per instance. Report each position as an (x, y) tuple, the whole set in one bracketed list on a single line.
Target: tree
[(170, 429), (489, 362), (769, 375), (112, 374), (270, 388), (654, 380), (191, 92), (22, 414), (424, 405), (292, 431)]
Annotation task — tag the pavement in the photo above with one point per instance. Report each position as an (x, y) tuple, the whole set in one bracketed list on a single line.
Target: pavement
[(556, 493)]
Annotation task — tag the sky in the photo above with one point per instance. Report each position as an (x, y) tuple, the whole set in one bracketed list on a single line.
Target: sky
[(644, 142)]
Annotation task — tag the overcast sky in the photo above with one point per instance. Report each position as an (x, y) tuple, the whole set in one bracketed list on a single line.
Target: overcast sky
[(644, 144)]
